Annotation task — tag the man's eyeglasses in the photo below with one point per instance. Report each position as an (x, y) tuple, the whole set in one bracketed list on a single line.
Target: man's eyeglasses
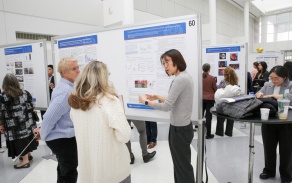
[(275, 78)]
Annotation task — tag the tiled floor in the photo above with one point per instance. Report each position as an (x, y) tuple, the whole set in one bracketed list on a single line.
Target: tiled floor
[(227, 160)]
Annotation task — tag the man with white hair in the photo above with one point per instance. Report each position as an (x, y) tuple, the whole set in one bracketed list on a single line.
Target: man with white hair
[(57, 128)]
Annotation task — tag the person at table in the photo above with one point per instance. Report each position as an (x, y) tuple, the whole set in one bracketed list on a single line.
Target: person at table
[(180, 103), (274, 134), (209, 89), (288, 65), (262, 76), (230, 78)]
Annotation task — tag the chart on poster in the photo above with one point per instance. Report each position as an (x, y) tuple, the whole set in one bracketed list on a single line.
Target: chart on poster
[(27, 61), (219, 57), (132, 54)]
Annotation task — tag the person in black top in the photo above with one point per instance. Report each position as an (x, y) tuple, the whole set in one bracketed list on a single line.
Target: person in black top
[(51, 83), (261, 77)]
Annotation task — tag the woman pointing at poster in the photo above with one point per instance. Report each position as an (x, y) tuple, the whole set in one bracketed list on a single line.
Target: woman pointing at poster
[(180, 102)]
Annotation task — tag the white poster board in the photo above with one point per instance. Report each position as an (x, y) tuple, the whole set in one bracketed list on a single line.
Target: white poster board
[(132, 54), (219, 57), (272, 59), (27, 61)]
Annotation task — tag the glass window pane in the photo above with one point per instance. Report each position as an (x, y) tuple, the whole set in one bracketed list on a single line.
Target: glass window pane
[(271, 19), (270, 28), (282, 36), (290, 35), (283, 27), (284, 17), (270, 38)]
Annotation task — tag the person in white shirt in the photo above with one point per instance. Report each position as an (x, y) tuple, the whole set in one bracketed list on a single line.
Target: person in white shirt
[(101, 128)]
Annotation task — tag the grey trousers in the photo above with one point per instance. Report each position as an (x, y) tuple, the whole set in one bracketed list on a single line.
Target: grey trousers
[(140, 125), (127, 180)]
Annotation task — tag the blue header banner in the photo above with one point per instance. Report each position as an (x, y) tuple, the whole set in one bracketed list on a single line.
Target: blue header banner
[(139, 106), (18, 50), (80, 41), (162, 30), (223, 49)]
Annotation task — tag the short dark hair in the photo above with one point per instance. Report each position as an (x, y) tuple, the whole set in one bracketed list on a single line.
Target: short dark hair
[(176, 57), (51, 66), (281, 71), (288, 65)]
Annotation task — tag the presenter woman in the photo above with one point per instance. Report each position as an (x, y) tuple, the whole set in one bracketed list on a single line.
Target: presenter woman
[(180, 102), (101, 128), (274, 134)]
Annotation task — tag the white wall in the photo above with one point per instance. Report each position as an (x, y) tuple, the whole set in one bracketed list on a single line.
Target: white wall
[(23, 23), (76, 11), (230, 19)]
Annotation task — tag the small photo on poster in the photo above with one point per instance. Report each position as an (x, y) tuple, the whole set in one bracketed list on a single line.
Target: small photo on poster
[(234, 66), (18, 64), (141, 83), (28, 70), (19, 78), (222, 55), (220, 72), (233, 57), (222, 63), (18, 72)]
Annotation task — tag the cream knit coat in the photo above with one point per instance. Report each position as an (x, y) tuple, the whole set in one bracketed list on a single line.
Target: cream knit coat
[(101, 133)]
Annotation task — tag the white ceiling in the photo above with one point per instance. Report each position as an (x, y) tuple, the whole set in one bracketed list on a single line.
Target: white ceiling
[(265, 7)]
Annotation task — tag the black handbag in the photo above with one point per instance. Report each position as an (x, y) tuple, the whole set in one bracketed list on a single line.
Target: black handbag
[(35, 116)]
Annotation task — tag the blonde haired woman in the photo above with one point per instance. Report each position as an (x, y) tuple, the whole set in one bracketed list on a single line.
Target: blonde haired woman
[(230, 78), (101, 127)]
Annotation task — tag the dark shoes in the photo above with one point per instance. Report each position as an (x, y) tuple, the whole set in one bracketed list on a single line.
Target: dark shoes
[(210, 136), (220, 134), (149, 156), (132, 160), (283, 181), (265, 176), (29, 158), (151, 145), (27, 165)]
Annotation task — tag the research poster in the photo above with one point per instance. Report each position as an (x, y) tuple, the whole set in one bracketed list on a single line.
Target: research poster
[(132, 54), (27, 62), (84, 49), (145, 74), (222, 56)]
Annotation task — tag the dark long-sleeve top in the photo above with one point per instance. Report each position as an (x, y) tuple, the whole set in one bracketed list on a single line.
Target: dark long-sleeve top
[(16, 115), (260, 79), (209, 87), (264, 76)]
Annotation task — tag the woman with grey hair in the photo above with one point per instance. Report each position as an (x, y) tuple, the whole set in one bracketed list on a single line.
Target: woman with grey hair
[(16, 117), (209, 89), (98, 116)]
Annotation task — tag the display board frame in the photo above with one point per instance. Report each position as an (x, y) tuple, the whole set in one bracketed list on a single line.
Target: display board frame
[(28, 62), (118, 41), (221, 56)]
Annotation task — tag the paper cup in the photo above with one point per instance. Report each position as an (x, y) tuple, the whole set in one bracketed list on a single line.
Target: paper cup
[(265, 113)]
